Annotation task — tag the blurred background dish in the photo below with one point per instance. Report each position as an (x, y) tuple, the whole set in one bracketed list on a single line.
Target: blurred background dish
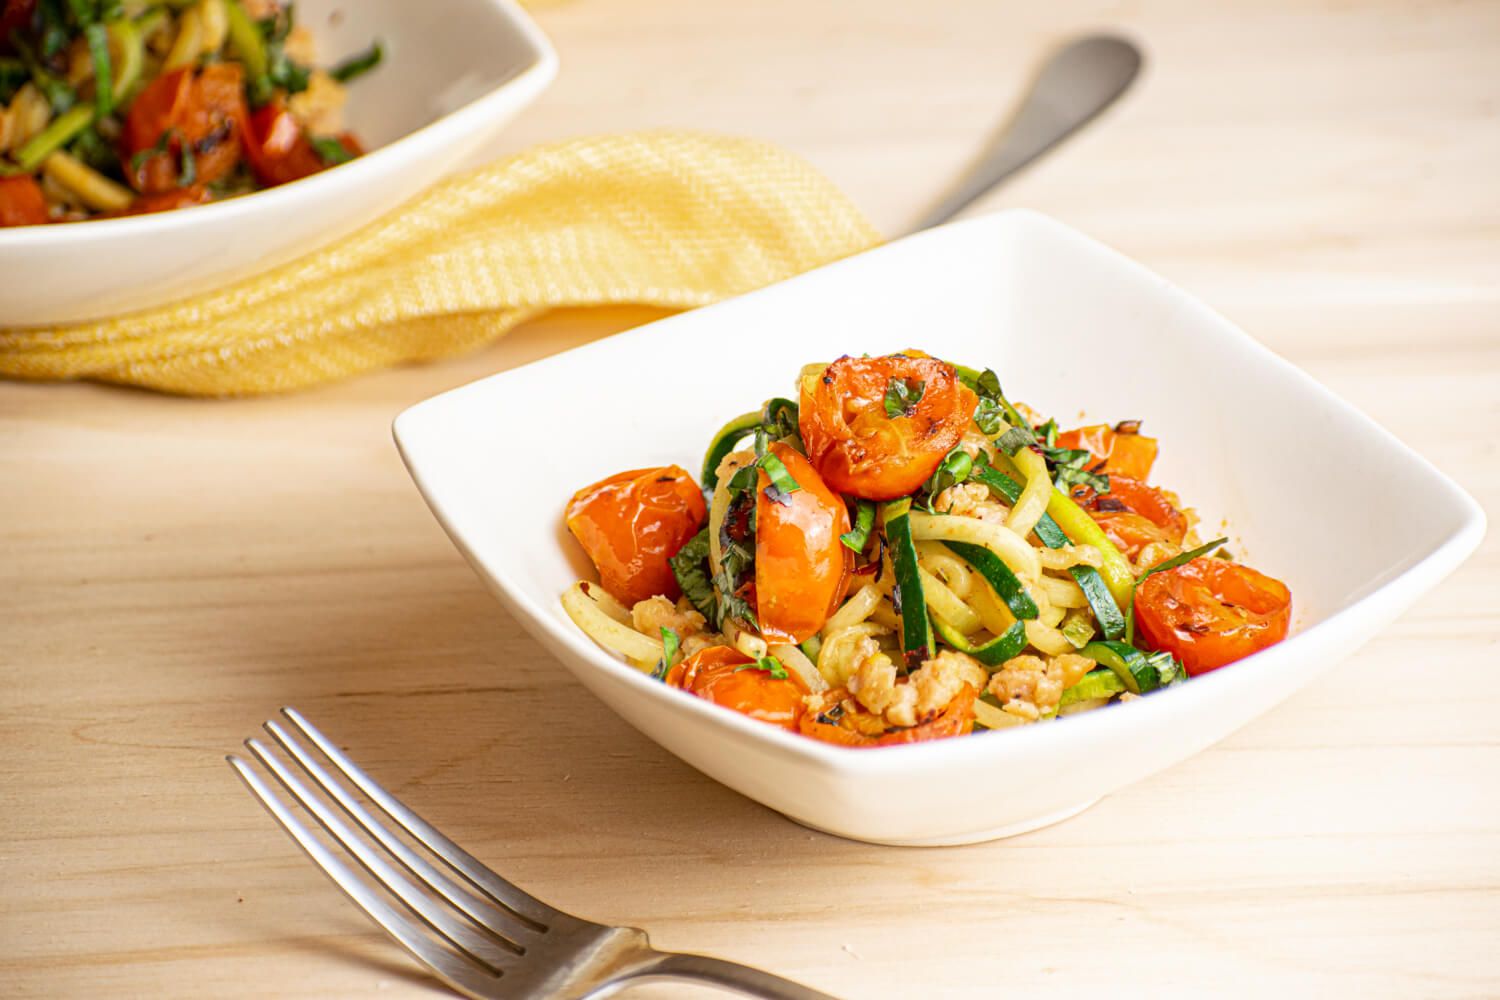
[(454, 73)]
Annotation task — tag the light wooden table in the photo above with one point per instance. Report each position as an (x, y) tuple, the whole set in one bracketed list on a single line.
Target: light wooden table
[(171, 571)]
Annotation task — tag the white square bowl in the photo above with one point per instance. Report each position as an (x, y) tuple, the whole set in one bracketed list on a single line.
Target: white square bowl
[(455, 73), (1068, 324)]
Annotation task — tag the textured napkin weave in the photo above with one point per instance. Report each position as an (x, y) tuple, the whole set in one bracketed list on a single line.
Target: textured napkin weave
[(660, 218)]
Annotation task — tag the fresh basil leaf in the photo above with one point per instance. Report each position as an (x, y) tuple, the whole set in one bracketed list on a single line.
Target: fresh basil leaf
[(330, 150), (358, 64), (187, 170), (988, 416), (780, 420), (94, 150), (769, 664), (952, 470), (690, 567), (1014, 439), (670, 644), (858, 537), (902, 396), (781, 480)]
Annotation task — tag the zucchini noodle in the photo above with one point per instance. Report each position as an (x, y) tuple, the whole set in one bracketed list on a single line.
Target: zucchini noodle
[(854, 610), (795, 660), (1048, 639), (947, 567), (1062, 593), (641, 650), (946, 604), (1038, 490), (1012, 549)]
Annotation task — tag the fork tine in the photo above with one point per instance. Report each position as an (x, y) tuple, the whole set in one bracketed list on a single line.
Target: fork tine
[(482, 911), (492, 954), (454, 969), (501, 891)]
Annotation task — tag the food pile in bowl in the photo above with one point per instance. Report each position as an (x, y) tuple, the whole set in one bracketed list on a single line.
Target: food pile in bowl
[(903, 554), (122, 107)]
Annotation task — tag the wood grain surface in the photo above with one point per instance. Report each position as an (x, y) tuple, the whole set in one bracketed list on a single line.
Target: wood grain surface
[(1325, 173)]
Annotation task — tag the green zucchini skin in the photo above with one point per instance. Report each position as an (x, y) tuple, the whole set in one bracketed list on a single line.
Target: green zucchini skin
[(1106, 612), (916, 624), (1101, 683), (991, 654), (999, 575), (723, 443), (1137, 673)]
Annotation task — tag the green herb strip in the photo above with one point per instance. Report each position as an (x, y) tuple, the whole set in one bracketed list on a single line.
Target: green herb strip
[(769, 664), (690, 567), (358, 64), (670, 644), (858, 537), (902, 396), (782, 483), (330, 150)]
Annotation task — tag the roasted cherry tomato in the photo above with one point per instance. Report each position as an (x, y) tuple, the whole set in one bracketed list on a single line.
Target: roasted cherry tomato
[(22, 202), (1125, 454), (1211, 612), (204, 109), (858, 446), (193, 194), (1135, 515), (632, 523), (863, 729), (801, 567), (725, 676), (279, 150)]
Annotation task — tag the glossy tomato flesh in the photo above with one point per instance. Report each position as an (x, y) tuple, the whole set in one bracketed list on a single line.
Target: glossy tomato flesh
[(22, 202), (204, 109), (279, 150), (632, 523), (1122, 454), (801, 567), (1211, 612), (859, 447), (1135, 515), (725, 676)]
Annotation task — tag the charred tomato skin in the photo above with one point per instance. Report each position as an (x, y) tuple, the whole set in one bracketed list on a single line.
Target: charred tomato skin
[(858, 447), (801, 566), (1211, 612), (727, 677)]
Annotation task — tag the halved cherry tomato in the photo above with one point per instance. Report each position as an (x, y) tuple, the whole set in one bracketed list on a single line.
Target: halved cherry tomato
[(801, 567), (278, 149), (1123, 454), (632, 523), (1135, 515), (725, 676), (863, 729), (861, 449), (193, 194), (22, 202), (204, 109), (1211, 612)]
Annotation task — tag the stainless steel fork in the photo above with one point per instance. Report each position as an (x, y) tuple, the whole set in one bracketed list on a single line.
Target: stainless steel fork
[(477, 932)]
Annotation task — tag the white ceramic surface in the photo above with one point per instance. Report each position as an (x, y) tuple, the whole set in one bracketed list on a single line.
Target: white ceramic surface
[(455, 72), (1069, 325)]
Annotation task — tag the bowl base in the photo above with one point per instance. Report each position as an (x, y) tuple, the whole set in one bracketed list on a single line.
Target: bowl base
[(958, 839)]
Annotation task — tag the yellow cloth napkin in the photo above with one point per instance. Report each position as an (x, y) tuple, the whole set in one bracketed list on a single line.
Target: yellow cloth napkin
[(659, 218)]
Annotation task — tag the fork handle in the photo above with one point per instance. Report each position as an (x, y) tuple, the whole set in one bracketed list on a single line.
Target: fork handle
[(729, 975)]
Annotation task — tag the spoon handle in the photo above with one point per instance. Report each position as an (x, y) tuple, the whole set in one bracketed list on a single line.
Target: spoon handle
[(1079, 81)]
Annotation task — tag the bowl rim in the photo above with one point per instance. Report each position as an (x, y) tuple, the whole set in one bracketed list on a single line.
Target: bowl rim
[(1392, 594), (528, 79)]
